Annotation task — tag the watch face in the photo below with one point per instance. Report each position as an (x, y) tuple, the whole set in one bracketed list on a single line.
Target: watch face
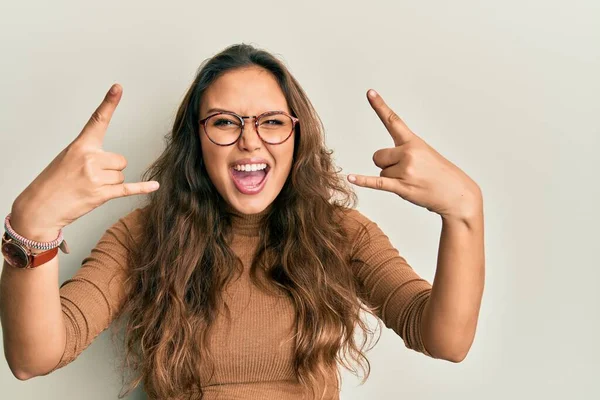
[(15, 255)]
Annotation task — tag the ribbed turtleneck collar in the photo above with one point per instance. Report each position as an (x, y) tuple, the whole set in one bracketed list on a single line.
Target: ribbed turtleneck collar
[(246, 224)]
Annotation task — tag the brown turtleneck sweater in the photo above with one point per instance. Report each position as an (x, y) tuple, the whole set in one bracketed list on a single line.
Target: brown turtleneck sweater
[(253, 359)]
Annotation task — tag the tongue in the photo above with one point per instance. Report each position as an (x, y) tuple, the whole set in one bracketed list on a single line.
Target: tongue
[(249, 178)]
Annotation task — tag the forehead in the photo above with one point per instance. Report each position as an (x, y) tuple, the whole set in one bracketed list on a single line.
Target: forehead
[(246, 91)]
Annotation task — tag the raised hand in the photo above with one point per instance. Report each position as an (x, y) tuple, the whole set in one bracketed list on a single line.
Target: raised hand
[(416, 172), (81, 177)]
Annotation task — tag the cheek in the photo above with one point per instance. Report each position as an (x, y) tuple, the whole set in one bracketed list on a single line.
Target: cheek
[(213, 162), (284, 159)]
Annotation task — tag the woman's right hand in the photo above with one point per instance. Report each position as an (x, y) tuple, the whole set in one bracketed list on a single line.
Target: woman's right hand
[(81, 178)]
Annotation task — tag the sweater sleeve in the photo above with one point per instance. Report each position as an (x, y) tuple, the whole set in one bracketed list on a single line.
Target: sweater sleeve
[(386, 281), (92, 298)]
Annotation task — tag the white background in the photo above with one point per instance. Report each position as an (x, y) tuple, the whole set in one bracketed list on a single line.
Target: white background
[(508, 91)]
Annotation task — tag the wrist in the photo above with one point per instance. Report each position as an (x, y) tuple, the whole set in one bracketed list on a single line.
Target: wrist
[(470, 207), (23, 223)]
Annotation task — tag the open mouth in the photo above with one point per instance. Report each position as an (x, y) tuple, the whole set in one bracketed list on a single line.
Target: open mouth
[(250, 179)]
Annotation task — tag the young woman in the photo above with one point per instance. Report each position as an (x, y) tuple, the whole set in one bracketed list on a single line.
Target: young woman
[(245, 274)]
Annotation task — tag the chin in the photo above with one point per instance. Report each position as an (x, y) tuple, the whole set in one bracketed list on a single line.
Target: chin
[(253, 205)]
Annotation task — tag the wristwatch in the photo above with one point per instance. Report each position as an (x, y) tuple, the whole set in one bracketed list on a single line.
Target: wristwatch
[(19, 251), (18, 255)]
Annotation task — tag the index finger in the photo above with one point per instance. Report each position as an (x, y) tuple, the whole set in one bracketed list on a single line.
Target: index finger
[(393, 123), (95, 128)]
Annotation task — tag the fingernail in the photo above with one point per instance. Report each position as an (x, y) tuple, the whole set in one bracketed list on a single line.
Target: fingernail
[(351, 178), (372, 94), (154, 185), (113, 89)]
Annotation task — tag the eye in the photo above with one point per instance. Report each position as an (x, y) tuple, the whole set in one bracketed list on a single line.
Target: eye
[(273, 122), (223, 122)]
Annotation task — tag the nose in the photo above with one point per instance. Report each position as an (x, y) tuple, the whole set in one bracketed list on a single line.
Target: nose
[(250, 141)]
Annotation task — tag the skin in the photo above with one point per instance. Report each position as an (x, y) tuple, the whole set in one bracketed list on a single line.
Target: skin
[(80, 178), (248, 91), (416, 172)]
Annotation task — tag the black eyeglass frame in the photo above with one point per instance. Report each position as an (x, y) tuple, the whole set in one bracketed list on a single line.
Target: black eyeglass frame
[(295, 120)]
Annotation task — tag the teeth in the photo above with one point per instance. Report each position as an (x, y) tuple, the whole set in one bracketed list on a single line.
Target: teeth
[(250, 167)]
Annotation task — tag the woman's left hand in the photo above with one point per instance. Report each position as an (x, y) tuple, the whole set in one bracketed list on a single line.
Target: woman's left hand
[(416, 172)]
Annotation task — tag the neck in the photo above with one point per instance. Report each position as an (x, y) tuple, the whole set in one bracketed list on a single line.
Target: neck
[(246, 224)]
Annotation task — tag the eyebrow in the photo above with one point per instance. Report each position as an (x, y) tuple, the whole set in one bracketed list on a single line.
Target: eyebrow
[(212, 110), (217, 110)]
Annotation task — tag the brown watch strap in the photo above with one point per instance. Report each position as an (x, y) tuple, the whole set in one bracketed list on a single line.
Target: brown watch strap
[(42, 258)]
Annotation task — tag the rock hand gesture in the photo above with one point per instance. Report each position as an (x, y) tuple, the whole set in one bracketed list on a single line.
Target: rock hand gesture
[(416, 172), (81, 178)]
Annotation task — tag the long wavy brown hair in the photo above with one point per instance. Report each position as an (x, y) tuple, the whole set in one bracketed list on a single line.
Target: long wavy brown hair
[(178, 271)]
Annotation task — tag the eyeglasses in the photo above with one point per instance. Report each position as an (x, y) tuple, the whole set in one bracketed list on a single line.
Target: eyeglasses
[(225, 128)]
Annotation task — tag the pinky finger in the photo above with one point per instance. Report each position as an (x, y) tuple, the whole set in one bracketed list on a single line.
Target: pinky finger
[(372, 182), (375, 182), (130, 189)]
